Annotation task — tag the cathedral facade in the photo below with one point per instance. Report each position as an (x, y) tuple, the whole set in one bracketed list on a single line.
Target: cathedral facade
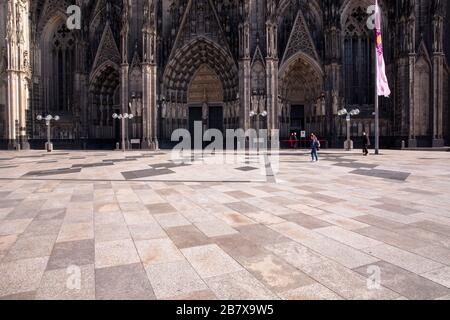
[(289, 65)]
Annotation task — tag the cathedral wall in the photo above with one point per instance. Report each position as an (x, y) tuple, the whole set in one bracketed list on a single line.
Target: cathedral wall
[(2, 69)]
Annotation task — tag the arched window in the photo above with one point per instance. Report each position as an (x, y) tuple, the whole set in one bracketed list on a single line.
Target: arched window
[(358, 58), (63, 61)]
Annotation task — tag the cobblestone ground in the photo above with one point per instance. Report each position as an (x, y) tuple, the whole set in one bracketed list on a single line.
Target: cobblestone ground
[(111, 225)]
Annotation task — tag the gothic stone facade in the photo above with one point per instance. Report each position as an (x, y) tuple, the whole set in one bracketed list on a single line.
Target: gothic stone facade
[(173, 62)]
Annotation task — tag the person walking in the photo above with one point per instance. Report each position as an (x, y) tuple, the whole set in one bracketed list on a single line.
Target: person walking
[(315, 146), (366, 144)]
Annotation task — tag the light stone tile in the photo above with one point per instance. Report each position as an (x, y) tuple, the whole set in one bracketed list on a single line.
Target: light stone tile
[(21, 275), (110, 232), (436, 253), (345, 223), (158, 251), (406, 283), (6, 242), (32, 247), (9, 227), (170, 220), (403, 259), (441, 276), (138, 218), (115, 253), (314, 291), (239, 286), (147, 231), (265, 218), (215, 228), (345, 282), (347, 237), (295, 254), (75, 231), (61, 284), (108, 218), (235, 219), (174, 279), (275, 273), (295, 232), (210, 261)]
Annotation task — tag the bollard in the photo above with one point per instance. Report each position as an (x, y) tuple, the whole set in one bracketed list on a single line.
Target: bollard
[(403, 144)]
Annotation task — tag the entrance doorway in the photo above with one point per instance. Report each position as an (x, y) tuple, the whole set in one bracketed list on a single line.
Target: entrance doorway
[(215, 119), (297, 118)]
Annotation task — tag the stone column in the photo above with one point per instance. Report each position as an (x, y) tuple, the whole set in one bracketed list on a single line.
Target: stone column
[(333, 69), (149, 78), (245, 68), (272, 74), (438, 73), (18, 48)]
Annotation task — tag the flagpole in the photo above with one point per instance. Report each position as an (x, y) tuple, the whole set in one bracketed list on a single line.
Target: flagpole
[(377, 109)]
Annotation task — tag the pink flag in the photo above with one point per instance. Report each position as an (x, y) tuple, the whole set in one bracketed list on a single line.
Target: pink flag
[(382, 81)]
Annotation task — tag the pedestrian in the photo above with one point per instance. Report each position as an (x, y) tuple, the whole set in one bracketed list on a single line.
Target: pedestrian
[(366, 144), (315, 146)]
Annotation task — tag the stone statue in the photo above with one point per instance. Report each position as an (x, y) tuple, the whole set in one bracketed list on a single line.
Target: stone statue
[(335, 103)]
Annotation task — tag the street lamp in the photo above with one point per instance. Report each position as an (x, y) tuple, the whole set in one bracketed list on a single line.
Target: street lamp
[(349, 143), (254, 114), (48, 119), (122, 118)]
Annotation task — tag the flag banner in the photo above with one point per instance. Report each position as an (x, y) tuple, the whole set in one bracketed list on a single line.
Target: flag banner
[(382, 81)]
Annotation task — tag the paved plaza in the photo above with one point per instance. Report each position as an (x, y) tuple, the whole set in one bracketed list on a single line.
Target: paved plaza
[(137, 225)]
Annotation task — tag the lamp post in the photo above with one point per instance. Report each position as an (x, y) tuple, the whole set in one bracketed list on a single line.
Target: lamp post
[(48, 119), (254, 114), (122, 118), (349, 143)]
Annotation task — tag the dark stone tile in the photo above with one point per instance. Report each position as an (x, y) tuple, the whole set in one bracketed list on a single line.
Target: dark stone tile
[(53, 172), (146, 173), (43, 227), (390, 237), (9, 203), (167, 165), (239, 195), (396, 208), (324, 198), (239, 247), (121, 160), (378, 222), (426, 235), (306, 221), (407, 284), (242, 207), (160, 208), (282, 201), (433, 226), (261, 235), (384, 174), (93, 165), (26, 210), (77, 253), (127, 282), (187, 237), (247, 169)]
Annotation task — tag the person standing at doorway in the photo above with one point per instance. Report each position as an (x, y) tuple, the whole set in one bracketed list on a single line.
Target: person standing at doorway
[(315, 146), (366, 144)]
